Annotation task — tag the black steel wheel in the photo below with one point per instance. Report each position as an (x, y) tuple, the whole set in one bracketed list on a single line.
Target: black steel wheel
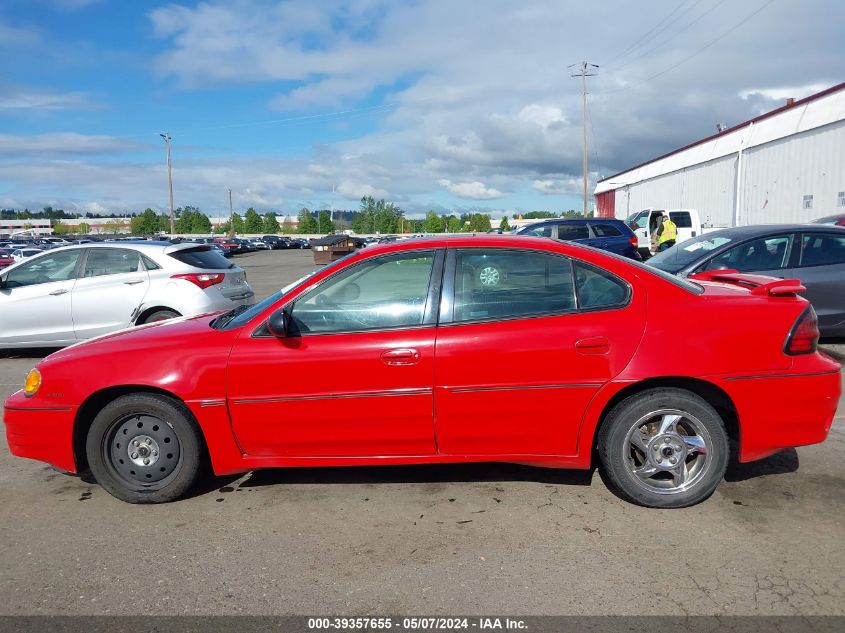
[(144, 448)]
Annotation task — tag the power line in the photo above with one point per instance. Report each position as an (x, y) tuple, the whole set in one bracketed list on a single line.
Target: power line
[(689, 57), (643, 37), (671, 37)]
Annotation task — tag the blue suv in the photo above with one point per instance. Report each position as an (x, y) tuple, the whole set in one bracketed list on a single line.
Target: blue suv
[(605, 233)]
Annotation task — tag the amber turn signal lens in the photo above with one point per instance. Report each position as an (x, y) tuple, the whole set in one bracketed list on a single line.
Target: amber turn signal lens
[(32, 383)]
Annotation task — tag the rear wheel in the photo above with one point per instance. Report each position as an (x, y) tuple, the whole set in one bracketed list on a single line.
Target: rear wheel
[(664, 448), (144, 448), (159, 315)]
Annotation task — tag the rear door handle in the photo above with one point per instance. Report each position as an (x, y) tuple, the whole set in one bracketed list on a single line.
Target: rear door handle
[(402, 356), (133, 282), (593, 345), (60, 291)]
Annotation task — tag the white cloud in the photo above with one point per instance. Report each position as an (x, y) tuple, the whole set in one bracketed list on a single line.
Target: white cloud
[(59, 143), (783, 93), (357, 190), (473, 190), (27, 99), (572, 186)]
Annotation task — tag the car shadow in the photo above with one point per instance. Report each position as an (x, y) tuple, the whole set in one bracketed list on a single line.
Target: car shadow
[(423, 474), (784, 462)]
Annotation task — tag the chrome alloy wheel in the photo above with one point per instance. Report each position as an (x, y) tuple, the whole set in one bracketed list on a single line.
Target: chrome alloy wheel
[(142, 449), (667, 451), (489, 276)]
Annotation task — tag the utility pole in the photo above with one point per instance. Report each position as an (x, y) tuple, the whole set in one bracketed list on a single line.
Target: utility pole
[(167, 138), (583, 73), (231, 215)]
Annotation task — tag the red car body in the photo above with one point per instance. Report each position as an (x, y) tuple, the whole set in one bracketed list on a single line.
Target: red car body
[(532, 390), (6, 258)]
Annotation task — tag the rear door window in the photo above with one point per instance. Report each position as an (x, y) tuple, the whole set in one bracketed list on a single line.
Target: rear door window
[(112, 261), (599, 289), (541, 230), (204, 257), (575, 231), (822, 249), (681, 219), (495, 284)]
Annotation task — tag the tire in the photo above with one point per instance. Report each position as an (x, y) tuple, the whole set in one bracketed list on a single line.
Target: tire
[(167, 437), (159, 315), (644, 433)]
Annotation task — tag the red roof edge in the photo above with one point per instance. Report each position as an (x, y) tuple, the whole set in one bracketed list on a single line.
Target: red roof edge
[(788, 106)]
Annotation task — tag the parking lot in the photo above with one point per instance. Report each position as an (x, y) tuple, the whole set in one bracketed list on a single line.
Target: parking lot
[(469, 539)]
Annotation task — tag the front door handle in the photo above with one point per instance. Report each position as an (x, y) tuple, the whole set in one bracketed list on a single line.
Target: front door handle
[(593, 345), (402, 356), (133, 282), (60, 291)]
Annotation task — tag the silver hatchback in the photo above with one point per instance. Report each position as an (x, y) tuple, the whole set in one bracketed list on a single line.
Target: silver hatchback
[(73, 293)]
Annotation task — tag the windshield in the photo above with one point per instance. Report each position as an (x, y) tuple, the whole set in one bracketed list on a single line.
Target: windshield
[(681, 255)]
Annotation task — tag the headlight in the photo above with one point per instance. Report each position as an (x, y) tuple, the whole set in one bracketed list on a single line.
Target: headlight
[(32, 382)]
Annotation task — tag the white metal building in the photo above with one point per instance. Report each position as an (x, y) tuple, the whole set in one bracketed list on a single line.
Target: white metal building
[(787, 165)]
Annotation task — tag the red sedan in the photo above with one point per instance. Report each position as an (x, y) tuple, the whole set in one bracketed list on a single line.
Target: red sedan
[(6, 258), (465, 349)]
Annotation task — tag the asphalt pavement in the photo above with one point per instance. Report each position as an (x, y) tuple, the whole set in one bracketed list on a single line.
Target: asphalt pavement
[(465, 539)]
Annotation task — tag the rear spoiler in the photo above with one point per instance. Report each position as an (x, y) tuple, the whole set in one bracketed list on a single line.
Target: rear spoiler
[(758, 284)]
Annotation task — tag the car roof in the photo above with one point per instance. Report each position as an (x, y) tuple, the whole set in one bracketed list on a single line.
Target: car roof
[(572, 220), (765, 229)]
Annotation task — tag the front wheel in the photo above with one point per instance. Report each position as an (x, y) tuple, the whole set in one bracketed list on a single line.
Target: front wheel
[(144, 448), (159, 315), (664, 448)]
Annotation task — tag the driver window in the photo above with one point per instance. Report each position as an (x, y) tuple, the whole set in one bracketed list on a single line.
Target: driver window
[(769, 253), (58, 266), (387, 292)]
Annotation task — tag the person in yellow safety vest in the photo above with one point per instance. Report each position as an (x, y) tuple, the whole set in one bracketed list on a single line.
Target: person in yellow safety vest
[(667, 234)]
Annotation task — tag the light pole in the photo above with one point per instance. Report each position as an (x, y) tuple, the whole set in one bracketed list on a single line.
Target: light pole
[(167, 138)]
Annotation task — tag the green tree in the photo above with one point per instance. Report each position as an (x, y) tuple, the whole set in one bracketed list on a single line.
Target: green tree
[(222, 228), (324, 222), (433, 223), (307, 223), (478, 223), (113, 227), (252, 222), (83, 228), (200, 223), (145, 224), (237, 224), (454, 224), (271, 224), (59, 228), (504, 224)]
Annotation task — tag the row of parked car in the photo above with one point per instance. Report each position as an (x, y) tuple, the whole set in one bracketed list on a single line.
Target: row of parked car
[(813, 253)]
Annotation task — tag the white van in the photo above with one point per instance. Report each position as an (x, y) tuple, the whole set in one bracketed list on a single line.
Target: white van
[(644, 224)]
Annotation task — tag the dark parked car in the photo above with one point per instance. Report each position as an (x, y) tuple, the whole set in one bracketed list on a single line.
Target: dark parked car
[(607, 234), (276, 242), (300, 243), (835, 220), (813, 253)]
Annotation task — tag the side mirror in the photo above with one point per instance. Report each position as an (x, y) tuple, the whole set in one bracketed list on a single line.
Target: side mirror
[(278, 324)]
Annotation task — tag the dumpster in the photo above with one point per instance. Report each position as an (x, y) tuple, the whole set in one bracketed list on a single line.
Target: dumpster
[(333, 247)]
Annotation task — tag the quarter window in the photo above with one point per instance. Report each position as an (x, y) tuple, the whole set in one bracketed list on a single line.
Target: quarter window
[(381, 293), (111, 261), (503, 284), (822, 250), (59, 266), (606, 230), (598, 289)]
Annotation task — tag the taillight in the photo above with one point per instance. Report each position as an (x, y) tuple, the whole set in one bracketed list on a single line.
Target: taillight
[(634, 242), (804, 336), (203, 280)]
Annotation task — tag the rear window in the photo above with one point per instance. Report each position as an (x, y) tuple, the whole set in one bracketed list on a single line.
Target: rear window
[(606, 230), (822, 250), (202, 257)]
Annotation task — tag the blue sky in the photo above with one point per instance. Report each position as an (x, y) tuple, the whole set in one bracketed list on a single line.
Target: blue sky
[(452, 105)]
